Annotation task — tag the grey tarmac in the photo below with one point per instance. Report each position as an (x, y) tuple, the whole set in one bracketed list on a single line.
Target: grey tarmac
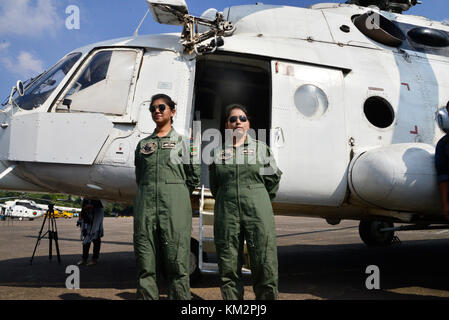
[(316, 261)]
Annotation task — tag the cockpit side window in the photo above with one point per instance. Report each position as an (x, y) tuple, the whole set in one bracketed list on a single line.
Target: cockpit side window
[(38, 92), (96, 71), (103, 84)]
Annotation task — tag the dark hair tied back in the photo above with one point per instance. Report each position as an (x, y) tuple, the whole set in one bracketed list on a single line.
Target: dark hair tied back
[(167, 100), (164, 97), (233, 106)]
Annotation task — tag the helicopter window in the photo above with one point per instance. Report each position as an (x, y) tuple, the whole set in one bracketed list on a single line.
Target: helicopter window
[(429, 37), (310, 101), (26, 84), (39, 91), (26, 205), (95, 72), (103, 85), (379, 112)]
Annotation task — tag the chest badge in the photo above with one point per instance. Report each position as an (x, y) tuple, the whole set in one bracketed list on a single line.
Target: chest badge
[(227, 154), (148, 148), (248, 151), (168, 145)]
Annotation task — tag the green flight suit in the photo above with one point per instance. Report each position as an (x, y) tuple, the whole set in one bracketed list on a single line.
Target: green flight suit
[(243, 181), (166, 177)]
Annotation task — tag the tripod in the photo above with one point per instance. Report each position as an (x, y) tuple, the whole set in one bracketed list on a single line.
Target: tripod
[(52, 233)]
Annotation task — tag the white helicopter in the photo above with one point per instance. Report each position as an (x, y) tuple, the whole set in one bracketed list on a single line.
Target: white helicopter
[(28, 209), (349, 92), (22, 209)]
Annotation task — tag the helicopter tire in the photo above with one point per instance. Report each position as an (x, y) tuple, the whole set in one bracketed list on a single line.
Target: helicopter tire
[(195, 272), (369, 231)]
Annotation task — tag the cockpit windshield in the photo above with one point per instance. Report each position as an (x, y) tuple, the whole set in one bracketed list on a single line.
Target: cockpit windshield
[(40, 90), (26, 84)]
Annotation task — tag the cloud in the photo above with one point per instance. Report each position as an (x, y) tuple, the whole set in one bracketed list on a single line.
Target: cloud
[(446, 22), (29, 17), (25, 66), (4, 45)]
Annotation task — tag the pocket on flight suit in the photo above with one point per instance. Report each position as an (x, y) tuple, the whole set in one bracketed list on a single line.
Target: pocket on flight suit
[(175, 250), (256, 186), (263, 253), (139, 215), (230, 254), (174, 181), (180, 187)]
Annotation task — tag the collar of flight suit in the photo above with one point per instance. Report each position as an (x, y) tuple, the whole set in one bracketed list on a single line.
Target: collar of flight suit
[(170, 134), (248, 142)]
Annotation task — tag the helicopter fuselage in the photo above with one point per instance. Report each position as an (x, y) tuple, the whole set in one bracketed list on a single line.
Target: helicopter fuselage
[(351, 121)]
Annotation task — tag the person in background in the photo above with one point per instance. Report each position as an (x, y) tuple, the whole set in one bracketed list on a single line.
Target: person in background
[(91, 223), (442, 161)]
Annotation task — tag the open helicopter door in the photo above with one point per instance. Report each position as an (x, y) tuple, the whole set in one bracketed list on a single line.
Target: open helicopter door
[(308, 135)]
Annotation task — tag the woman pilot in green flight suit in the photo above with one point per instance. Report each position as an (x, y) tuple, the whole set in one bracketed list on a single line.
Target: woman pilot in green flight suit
[(244, 179), (166, 177)]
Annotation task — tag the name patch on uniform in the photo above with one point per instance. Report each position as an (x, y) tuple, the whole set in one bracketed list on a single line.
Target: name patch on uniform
[(248, 151), (227, 154), (148, 148), (168, 145)]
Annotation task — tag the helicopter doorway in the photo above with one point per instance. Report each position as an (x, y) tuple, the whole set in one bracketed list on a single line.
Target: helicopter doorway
[(222, 80)]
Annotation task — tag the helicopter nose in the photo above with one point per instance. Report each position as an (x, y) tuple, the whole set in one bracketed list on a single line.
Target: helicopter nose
[(5, 168), (9, 180)]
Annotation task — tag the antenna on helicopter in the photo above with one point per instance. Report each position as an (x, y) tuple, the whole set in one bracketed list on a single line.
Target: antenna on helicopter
[(136, 33), (396, 6)]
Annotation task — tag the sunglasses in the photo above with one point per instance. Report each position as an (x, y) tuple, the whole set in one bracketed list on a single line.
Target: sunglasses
[(161, 108), (234, 119)]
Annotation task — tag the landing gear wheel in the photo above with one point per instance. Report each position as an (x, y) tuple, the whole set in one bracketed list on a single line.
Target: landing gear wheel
[(195, 272), (370, 234)]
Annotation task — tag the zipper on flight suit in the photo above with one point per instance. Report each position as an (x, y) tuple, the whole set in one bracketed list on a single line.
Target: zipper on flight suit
[(238, 184), (157, 180)]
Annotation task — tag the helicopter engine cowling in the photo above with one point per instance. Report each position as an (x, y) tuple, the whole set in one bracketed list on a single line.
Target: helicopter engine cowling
[(399, 177)]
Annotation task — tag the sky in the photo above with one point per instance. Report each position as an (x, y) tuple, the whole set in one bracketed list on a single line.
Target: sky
[(34, 33)]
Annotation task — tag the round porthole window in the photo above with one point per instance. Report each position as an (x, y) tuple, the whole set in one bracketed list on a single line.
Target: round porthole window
[(379, 112), (311, 101)]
